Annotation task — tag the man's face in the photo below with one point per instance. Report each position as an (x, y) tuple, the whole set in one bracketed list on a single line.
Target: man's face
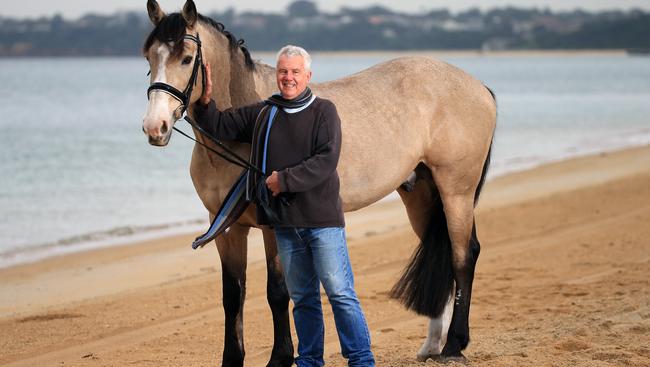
[(291, 76)]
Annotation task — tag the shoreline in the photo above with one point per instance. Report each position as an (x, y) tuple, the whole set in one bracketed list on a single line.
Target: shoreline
[(113, 237), (561, 280), (143, 243)]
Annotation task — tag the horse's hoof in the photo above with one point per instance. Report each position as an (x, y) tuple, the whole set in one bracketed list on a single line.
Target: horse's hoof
[(281, 362), (449, 359), (424, 356)]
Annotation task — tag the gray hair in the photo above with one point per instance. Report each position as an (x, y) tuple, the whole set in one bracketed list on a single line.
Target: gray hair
[(291, 50)]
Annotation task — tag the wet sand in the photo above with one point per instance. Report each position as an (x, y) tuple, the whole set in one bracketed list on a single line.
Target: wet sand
[(562, 281)]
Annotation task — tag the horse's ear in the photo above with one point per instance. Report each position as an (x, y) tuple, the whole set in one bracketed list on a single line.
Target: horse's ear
[(155, 13), (189, 13)]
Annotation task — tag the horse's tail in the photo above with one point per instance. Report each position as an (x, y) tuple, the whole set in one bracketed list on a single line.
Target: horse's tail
[(427, 281)]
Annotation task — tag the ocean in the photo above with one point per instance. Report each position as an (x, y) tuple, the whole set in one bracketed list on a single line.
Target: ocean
[(77, 171)]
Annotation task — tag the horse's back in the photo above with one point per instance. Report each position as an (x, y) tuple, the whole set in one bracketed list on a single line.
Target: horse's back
[(401, 112)]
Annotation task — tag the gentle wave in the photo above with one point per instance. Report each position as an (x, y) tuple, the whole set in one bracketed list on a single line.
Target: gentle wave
[(131, 234), (100, 239), (630, 139)]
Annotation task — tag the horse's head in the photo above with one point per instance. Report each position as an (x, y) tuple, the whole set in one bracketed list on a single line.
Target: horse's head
[(173, 50)]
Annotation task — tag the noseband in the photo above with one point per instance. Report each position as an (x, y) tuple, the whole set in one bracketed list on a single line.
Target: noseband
[(184, 96)]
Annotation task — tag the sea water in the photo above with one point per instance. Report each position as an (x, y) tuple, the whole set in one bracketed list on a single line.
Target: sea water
[(76, 170)]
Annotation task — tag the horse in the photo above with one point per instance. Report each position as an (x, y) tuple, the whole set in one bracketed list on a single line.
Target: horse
[(412, 120)]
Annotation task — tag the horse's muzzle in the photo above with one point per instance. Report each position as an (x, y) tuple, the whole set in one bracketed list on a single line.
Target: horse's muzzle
[(160, 141)]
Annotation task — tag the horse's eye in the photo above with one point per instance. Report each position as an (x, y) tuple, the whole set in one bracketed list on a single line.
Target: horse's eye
[(187, 60), (148, 72)]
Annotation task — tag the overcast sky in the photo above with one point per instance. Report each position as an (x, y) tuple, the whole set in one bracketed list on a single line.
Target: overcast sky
[(75, 8)]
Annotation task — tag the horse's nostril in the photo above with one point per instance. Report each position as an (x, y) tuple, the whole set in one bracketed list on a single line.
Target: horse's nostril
[(164, 128)]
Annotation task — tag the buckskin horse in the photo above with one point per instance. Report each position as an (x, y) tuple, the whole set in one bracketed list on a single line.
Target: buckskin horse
[(412, 118)]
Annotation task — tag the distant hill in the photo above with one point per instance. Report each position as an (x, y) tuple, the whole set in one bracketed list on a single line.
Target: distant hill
[(372, 28)]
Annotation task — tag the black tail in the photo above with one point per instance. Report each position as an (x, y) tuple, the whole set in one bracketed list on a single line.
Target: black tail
[(427, 282)]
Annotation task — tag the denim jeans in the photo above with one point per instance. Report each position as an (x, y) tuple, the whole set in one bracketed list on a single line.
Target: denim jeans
[(311, 256)]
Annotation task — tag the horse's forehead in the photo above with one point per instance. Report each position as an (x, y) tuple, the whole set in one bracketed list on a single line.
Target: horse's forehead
[(168, 48), (163, 51)]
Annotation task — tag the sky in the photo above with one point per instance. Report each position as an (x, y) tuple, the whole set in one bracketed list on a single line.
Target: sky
[(71, 9)]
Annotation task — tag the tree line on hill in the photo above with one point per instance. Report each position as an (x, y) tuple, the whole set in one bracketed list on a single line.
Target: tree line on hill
[(371, 28)]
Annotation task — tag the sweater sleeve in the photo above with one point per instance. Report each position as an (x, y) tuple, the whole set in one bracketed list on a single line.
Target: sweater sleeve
[(232, 124), (317, 168)]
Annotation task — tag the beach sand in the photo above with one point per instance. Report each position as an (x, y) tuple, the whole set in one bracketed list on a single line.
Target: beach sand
[(562, 280)]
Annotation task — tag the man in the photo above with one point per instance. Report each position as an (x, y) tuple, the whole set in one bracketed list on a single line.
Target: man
[(304, 143)]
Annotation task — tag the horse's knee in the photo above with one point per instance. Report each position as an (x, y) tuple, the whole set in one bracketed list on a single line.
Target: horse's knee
[(277, 294), (233, 293)]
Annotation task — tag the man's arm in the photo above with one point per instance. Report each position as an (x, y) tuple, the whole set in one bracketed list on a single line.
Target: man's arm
[(317, 168), (232, 124)]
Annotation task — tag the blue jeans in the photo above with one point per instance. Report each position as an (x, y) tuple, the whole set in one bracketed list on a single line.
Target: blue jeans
[(311, 256)]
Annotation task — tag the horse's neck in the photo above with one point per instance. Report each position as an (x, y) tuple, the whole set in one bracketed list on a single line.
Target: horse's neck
[(234, 84)]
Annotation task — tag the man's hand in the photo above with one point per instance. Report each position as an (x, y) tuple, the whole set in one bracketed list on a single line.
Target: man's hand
[(273, 183), (206, 97)]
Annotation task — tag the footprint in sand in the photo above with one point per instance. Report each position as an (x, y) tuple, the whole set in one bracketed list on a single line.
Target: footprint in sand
[(572, 345), (619, 358)]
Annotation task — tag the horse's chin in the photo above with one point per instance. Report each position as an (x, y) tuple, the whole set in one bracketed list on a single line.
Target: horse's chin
[(160, 142)]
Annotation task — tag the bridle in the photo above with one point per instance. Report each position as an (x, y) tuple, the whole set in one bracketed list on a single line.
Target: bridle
[(184, 96)]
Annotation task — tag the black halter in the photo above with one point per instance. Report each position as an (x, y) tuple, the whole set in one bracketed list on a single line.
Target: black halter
[(184, 96)]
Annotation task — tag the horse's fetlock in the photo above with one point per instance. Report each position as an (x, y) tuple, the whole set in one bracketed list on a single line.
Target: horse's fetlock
[(231, 360), (286, 361)]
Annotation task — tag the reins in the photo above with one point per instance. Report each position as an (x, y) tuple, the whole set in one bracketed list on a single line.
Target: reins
[(229, 154)]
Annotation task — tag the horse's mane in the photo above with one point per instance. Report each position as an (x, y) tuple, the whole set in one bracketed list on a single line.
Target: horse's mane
[(172, 29)]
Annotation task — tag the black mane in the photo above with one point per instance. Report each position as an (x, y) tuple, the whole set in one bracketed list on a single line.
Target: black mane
[(172, 29)]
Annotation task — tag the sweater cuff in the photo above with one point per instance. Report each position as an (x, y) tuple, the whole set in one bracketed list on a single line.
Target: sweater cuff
[(202, 111), (282, 180)]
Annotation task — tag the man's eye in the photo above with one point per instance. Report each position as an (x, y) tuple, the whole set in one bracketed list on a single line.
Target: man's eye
[(187, 60)]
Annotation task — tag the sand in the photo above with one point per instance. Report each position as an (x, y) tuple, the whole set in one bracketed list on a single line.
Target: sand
[(562, 281)]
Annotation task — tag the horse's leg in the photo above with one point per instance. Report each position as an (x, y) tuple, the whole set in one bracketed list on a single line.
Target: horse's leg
[(278, 298), (460, 187), (430, 267), (459, 210), (233, 250)]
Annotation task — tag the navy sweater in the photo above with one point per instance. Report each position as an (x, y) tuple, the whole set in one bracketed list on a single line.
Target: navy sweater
[(304, 149)]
